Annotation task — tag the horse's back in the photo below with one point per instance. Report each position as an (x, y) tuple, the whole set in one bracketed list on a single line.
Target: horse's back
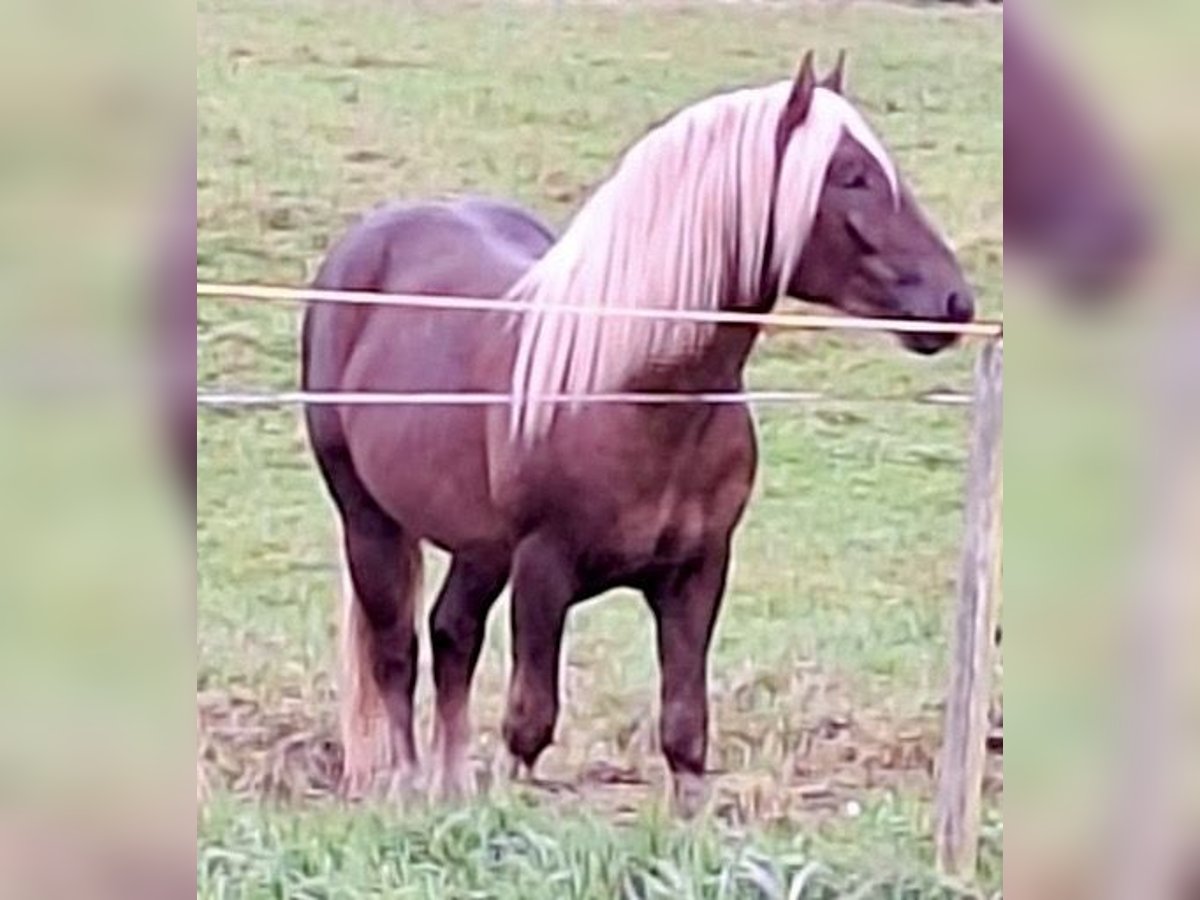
[(509, 222), (437, 246), (473, 247)]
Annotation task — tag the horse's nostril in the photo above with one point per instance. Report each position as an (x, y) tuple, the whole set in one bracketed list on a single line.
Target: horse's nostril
[(959, 307)]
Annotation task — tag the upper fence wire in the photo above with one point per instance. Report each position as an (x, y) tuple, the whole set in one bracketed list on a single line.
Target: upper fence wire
[(266, 293)]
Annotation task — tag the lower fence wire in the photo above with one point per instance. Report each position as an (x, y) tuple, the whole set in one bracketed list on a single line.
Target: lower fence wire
[(243, 399)]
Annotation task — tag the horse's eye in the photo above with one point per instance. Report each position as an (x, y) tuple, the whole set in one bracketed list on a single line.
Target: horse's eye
[(856, 182)]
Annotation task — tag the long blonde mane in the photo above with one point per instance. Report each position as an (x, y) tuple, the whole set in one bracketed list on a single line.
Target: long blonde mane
[(680, 225)]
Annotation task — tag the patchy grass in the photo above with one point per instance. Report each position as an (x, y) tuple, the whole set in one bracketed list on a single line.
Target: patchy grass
[(829, 661), (511, 849)]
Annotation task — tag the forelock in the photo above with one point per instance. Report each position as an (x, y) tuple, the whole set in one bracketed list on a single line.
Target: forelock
[(827, 102)]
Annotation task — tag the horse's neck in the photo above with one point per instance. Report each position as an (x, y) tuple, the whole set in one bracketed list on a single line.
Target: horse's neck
[(718, 365)]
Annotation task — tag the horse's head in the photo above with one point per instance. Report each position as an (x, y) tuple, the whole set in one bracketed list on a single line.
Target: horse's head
[(870, 250)]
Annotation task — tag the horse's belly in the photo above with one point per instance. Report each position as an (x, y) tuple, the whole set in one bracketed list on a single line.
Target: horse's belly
[(427, 469), (654, 507)]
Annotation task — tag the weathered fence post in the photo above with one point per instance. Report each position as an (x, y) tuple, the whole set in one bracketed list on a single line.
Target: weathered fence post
[(961, 766)]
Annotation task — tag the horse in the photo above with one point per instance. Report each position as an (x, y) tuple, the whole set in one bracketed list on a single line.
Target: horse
[(731, 203)]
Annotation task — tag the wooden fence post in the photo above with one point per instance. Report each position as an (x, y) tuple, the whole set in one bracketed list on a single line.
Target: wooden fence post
[(961, 765)]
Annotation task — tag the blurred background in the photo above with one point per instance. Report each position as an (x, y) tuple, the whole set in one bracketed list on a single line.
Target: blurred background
[(96, 575), (1101, 462)]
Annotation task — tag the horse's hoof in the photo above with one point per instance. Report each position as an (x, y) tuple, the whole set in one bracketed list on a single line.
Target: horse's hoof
[(389, 785), (453, 786), (689, 794), (355, 786), (519, 772), (403, 786)]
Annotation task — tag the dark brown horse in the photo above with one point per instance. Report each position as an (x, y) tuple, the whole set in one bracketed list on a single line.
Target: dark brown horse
[(733, 202)]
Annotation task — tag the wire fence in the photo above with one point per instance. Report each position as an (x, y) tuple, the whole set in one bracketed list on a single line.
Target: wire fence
[(268, 294), (389, 398), (228, 398)]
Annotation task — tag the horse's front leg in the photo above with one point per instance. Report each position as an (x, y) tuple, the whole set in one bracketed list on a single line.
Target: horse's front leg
[(544, 583), (685, 603)]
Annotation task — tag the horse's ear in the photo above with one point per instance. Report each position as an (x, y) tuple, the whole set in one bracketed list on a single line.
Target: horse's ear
[(800, 99), (835, 80)]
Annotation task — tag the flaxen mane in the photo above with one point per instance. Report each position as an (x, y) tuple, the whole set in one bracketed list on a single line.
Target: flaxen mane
[(681, 225)]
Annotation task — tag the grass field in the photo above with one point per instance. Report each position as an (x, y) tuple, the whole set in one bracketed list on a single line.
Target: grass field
[(830, 656)]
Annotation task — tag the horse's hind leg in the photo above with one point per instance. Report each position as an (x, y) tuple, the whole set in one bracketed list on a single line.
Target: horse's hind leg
[(379, 653), (544, 584), (685, 603), (457, 627), (379, 642)]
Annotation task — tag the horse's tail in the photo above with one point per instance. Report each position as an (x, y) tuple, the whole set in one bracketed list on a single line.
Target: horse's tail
[(367, 742)]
